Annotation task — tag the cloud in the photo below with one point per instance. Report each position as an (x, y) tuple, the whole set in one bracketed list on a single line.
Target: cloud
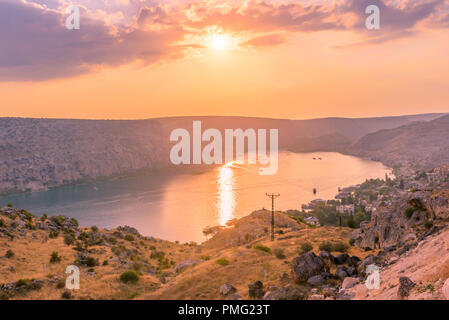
[(36, 45), (264, 41)]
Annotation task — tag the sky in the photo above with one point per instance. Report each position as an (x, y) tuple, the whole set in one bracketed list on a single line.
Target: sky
[(136, 59)]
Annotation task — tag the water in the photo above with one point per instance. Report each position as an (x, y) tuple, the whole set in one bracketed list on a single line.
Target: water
[(178, 205)]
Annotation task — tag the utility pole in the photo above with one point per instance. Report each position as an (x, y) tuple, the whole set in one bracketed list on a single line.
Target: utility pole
[(272, 196)]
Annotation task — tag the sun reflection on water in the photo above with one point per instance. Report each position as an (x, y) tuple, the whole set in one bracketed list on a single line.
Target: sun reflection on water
[(226, 197)]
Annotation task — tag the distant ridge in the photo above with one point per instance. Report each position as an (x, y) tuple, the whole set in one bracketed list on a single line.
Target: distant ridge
[(36, 154)]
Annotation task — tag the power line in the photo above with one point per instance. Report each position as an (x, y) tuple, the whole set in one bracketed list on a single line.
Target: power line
[(272, 196)]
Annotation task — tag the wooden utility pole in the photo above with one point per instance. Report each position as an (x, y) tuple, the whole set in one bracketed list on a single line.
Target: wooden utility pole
[(272, 196)]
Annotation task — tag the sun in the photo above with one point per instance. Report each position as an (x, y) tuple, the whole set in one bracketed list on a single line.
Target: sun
[(220, 42)]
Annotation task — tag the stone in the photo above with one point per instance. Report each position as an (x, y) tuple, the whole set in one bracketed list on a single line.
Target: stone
[(316, 297), (234, 297), (305, 266), (445, 289), (351, 271), (316, 281), (227, 289), (341, 258), (341, 273), (184, 264), (255, 290), (405, 286), (349, 282)]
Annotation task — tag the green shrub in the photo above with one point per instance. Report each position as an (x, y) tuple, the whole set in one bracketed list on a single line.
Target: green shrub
[(263, 248), (368, 249), (222, 261), (428, 224), (9, 254), (69, 239), (409, 212), (305, 247), (91, 262), (66, 295), (9, 205), (129, 237), (129, 276), (105, 262), (53, 234), (60, 284), (340, 247), (351, 223), (351, 242), (326, 246), (94, 228), (279, 253), (54, 257), (205, 257), (24, 284), (2, 223), (59, 220)]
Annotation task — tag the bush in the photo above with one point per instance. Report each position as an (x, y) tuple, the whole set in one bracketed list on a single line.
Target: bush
[(129, 276), (60, 284), (222, 261), (9, 254), (326, 246), (59, 220), (9, 205), (66, 295), (279, 253), (428, 224), (94, 228), (69, 239), (2, 223), (340, 247), (305, 247), (55, 258), (53, 234), (129, 237), (262, 248), (351, 242), (351, 223), (105, 262), (409, 212), (368, 249), (91, 262), (205, 257)]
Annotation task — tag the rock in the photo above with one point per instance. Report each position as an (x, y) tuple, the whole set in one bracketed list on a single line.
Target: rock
[(184, 264), (405, 285), (305, 266), (349, 282), (403, 250), (316, 281), (234, 297), (341, 273), (354, 261), (326, 275), (227, 289), (255, 290), (341, 258), (369, 260), (390, 248), (275, 294), (445, 289), (316, 297), (351, 271)]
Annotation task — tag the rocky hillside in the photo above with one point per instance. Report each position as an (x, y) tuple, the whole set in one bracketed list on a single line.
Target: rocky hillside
[(423, 144), (36, 154), (238, 262)]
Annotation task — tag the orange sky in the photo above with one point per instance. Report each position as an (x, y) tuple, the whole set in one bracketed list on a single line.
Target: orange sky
[(293, 74)]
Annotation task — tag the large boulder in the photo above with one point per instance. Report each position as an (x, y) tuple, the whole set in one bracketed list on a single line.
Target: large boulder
[(316, 281), (405, 286), (184, 264), (305, 266), (255, 290), (349, 282)]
